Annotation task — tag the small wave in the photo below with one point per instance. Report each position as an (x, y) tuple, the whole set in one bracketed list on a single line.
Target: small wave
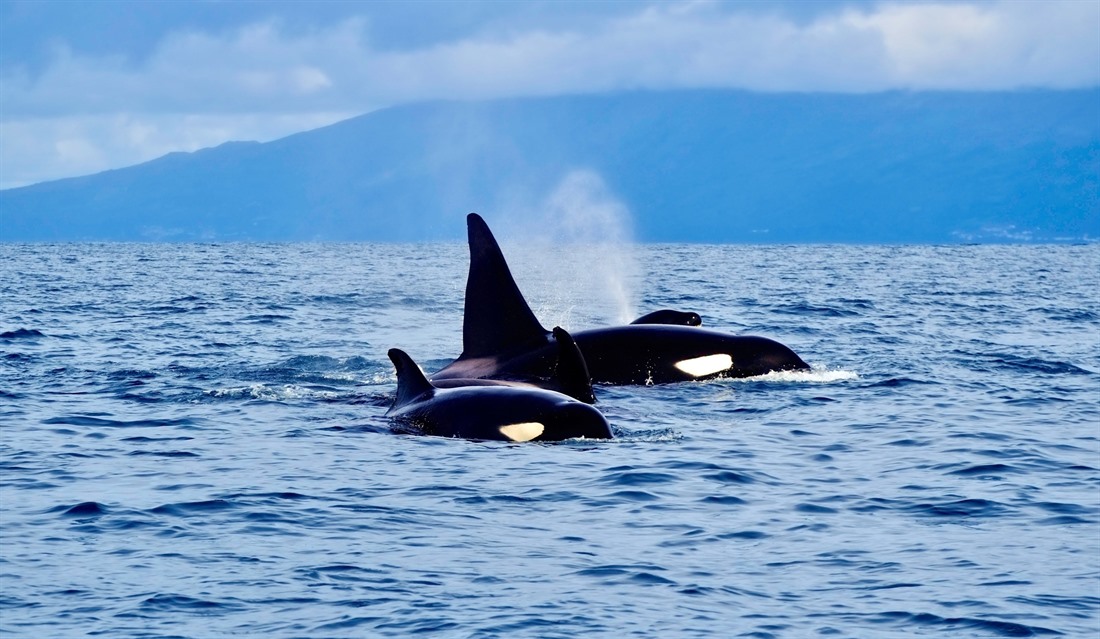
[(813, 376), (730, 477), (723, 500), (171, 309), (1009, 361), (642, 574), (316, 363), (267, 318), (85, 509), (962, 508), (632, 496), (186, 509), (322, 369), (150, 440), (131, 374), (267, 393), (22, 333), (337, 300), (1083, 603), (291, 496), (348, 623), (655, 436), (813, 309), (86, 420), (628, 476), (988, 627), (1071, 509), (183, 603), (749, 535), (1065, 520), (895, 382), (1073, 315), (986, 470)]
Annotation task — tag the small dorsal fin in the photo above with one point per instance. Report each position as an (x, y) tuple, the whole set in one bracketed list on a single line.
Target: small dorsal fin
[(411, 382), (572, 371), (671, 317), (496, 318)]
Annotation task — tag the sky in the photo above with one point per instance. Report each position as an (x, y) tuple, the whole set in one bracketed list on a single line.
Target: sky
[(90, 85)]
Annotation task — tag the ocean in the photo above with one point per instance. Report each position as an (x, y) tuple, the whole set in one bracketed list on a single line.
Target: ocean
[(193, 444)]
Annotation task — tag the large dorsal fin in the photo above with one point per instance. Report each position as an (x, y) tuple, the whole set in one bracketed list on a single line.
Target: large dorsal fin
[(411, 382), (496, 318), (572, 371)]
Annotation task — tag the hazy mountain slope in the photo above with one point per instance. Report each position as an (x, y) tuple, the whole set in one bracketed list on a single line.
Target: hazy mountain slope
[(694, 166)]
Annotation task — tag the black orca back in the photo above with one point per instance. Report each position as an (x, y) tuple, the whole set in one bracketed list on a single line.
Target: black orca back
[(671, 317), (496, 319)]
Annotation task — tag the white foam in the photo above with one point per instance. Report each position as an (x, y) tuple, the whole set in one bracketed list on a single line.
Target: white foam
[(271, 393), (812, 376)]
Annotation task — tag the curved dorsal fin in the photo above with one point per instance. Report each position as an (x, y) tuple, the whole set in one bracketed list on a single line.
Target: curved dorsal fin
[(671, 317), (411, 382), (572, 371), (496, 319)]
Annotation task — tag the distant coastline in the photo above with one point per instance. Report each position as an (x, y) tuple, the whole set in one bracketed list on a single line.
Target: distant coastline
[(699, 166)]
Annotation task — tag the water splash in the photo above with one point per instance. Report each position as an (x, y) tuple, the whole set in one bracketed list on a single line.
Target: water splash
[(265, 392), (812, 376), (582, 250)]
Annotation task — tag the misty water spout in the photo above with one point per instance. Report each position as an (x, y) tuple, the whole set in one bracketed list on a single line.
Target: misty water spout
[(596, 228)]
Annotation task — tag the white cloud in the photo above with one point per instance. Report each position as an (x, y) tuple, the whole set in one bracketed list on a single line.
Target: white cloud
[(35, 149), (254, 82), (987, 46)]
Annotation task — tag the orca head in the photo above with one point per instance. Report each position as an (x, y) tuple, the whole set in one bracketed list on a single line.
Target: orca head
[(574, 420), (742, 356)]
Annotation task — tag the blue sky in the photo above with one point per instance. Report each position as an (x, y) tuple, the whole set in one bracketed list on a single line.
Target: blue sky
[(91, 85)]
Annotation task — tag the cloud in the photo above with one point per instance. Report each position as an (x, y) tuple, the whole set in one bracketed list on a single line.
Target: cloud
[(233, 81), (37, 149), (987, 46)]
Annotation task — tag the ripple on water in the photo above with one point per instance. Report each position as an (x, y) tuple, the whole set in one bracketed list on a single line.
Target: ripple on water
[(203, 452), (84, 509), (985, 627), (169, 602), (22, 334), (193, 508), (89, 420)]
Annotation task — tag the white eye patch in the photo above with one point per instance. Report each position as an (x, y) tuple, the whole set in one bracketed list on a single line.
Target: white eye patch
[(705, 365), (523, 432)]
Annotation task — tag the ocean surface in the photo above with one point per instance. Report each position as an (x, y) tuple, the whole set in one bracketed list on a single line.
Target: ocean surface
[(193, 444)]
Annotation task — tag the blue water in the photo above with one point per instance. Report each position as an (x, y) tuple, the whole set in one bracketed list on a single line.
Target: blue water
[(192, 444)]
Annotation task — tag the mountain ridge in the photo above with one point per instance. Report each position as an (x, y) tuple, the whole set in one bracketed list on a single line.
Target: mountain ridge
[(692, 165)]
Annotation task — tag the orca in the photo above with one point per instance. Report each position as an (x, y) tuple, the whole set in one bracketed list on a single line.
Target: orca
[(670, 317), (570, 376), (502, 338), (503, 413)]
